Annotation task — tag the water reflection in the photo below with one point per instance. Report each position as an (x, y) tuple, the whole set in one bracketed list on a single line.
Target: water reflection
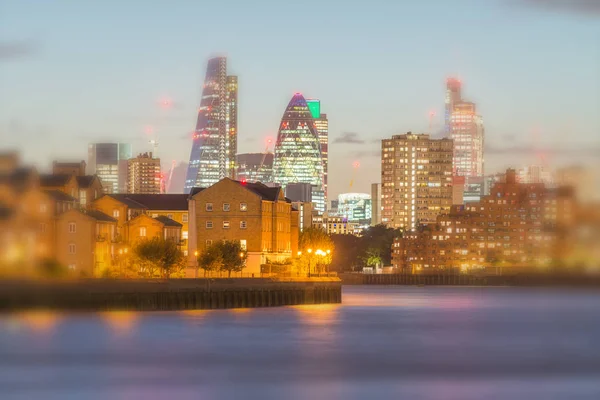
[(120, 322)]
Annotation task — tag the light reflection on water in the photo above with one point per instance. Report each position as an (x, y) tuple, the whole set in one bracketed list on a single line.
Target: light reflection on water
[(382, 342)]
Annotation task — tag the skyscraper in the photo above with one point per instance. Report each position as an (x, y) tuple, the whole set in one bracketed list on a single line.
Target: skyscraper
[(109, 162), (144, 175), (453, 96), (322, 125), (416, 180), (298, 151), (215, 138), (255, 167)]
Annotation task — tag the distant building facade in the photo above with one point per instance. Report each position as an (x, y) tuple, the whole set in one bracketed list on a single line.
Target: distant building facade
[(109, 162), (144, 175), (355, 207), (255, 167), (416, 180)]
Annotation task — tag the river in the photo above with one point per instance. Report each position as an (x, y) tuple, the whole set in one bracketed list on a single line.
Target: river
[(381, 343)]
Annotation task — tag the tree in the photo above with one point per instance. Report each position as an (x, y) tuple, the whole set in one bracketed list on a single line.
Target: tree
[(211, 259), (159, 254), (316, 248), (379, 237), (372, 257), (233, 256)]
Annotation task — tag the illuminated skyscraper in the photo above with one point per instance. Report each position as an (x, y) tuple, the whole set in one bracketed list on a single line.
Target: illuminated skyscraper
[(143, 175), (322, 125), (109, 162), (215, 138), (255, 167), (467, 133), (298, 151), (453, 96)]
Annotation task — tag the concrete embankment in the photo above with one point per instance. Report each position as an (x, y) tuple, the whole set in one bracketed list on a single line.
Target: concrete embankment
[(162, 295), (572, 280)]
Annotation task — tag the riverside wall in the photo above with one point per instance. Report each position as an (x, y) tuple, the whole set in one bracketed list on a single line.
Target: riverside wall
[(165, 295)]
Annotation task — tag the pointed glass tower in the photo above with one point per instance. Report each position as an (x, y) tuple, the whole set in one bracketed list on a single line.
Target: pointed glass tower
[(215, 138), (298, 151)]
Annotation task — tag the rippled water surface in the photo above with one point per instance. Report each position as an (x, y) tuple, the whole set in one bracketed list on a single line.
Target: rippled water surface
[(381, 343)]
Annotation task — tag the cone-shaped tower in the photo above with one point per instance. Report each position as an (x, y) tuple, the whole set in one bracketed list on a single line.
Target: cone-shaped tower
[(297, 151)]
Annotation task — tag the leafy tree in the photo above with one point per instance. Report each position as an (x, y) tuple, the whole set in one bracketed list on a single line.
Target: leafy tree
[(157, 254), (372, 257), (233, 256), (211, 259), (347, 252), (315, 238), (379, 237)]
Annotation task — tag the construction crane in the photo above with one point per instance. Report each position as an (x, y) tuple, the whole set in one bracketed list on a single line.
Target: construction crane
[(170, 176), (269, 141), (355, 166)]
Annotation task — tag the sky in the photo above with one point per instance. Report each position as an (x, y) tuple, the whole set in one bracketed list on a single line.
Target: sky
[(76, 72)]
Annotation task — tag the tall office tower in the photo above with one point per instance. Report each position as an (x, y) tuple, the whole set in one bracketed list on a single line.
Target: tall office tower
[(215, 137), (298, 151), (355, 207), (375, 204), (322, 125), (416, 180), (144, 175), (467, 133), (254, 167), (453, 96), (109, 162)]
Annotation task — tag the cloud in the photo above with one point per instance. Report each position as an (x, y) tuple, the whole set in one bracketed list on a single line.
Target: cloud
[(591, 150), (16, 50), (584, 7), (349, 138), (367, 153)]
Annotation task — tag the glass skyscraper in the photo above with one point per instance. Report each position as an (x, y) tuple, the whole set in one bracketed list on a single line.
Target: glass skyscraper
[(298, 151), (322, 125), (109, 162), (214, 145)]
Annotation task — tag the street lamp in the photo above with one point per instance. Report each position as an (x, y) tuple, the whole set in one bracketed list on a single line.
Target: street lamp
[(309, 260)]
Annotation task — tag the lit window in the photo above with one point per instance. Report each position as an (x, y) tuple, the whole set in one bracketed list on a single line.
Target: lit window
[(43, 208), (154, 215), (184, 217), (243, 207), (226, 207), (72, 248), (82, 197), (115, 213), (243, 244), (242, 224), (208, 207), (142, 231), (184, 235), (209, 224), (72, 227), (225, 224), (208, 242), (170, 216)]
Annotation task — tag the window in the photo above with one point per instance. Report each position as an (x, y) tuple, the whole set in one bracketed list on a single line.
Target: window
[(142, 231), (82, 197), (243, 207), (72, 248), (226, 206), (184, 217), (72, 267), (208, 242), (72, 227), (43, 208), (242, 224), (225, 224), (170, 216), (115, 213), (184, 235), (243, 244), (42, 227), (208, 206), (209, 225), (154, 215)]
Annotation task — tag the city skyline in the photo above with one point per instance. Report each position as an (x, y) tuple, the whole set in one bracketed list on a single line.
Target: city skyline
[(155, 94)]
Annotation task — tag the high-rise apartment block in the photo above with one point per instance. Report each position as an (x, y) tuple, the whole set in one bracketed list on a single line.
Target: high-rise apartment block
[(214, 146), (416, 179), (109, 162), (144, 175), (375, 204)]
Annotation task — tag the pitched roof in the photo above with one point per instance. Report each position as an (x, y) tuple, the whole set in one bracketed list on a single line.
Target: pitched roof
[(178, 202), (18, 178), (60, 196), (53, 180), (264, 191), (85, 181), (99, 215), (195, 190), (168, 221)]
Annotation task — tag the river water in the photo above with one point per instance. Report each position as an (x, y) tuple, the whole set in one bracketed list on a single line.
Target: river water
[(381, 343)]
